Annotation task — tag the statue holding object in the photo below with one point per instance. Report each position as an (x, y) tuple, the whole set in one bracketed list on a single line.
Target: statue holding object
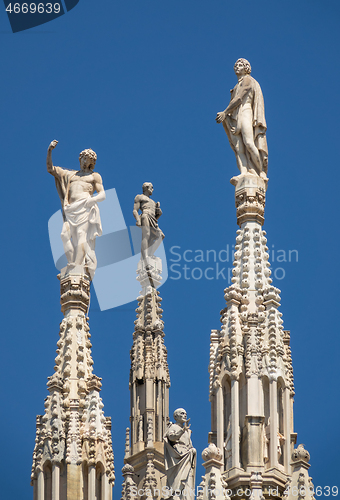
[(81, 216), (245, 124), (152, 236)]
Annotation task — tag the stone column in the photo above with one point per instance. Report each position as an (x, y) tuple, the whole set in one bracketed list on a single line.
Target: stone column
[(220, 417), (254, 442), (55, 482), (254, 401), (92, 483), (287, 426), (273, 423), (235, 423), (105, 493), (41, 485)]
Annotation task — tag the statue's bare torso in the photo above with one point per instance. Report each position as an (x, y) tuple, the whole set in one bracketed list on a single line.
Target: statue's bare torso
[(81, 185), (146, 204)]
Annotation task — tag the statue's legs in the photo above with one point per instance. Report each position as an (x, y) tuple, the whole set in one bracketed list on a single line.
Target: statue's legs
[(241, 157), (236, 144), (156, 238), (145, 241), (247, 133), (81, 246), (67, 242)]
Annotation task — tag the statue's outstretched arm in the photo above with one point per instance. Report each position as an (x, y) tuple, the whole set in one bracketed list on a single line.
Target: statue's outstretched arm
[(49, 163)]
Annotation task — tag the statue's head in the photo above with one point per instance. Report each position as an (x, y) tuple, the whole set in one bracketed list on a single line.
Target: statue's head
[(87, 158), (147, 188), (240, 64), (180, 415)]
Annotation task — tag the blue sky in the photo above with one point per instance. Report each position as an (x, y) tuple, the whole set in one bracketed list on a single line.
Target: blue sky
[(140, 82)]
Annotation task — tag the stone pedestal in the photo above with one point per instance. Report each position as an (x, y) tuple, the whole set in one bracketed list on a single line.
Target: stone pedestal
[(299, 486), (73, 455), (250, 197), (149, 273), (213, 485)]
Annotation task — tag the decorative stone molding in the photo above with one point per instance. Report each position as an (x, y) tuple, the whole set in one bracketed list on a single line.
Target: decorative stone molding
[(127, 443), (250, 198), (150, 481), (74, 292)]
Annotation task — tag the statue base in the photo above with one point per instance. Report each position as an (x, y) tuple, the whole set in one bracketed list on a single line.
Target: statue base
[(74, 289), (149, 272), (250, 197)]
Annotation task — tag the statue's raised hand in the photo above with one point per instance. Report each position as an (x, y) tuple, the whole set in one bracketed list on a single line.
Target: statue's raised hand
[(186, 424), (52, 145)]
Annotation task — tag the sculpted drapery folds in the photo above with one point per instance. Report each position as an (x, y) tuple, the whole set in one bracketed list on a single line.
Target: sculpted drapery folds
[(180, 456), (245, 124), (79, 206)]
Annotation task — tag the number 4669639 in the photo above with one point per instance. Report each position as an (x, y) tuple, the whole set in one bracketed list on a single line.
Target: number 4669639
[(32, 8)]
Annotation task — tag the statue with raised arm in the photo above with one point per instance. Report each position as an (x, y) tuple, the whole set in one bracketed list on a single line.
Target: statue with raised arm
[(245, 123), (180, 457), (81, 216), (152, 235)]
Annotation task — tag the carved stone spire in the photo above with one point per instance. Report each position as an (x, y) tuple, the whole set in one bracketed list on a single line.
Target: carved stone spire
[(149, 382), (73, 450), (251, 374)]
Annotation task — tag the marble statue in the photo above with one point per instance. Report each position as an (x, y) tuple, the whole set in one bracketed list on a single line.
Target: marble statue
[(245, 123), (79, 206), (180, 457), (152, 235)]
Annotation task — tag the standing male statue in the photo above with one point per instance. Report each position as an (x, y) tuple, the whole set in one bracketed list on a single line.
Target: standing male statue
[(80, 210), (245, 123), (180, 457), (152, 235)]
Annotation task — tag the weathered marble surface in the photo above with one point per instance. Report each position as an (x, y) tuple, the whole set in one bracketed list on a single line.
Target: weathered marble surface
[(152, 235), (180, 456), (245, 124), (82, 222)]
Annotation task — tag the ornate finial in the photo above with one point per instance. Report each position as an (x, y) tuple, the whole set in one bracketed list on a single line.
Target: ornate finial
[(300, 454), (127, 470), (212, 453)]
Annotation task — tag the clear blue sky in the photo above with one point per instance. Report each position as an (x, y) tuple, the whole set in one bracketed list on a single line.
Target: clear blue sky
[(140, 82)]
